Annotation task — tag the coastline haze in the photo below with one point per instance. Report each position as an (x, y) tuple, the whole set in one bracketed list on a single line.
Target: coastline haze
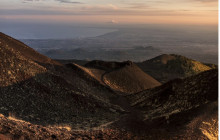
[(189, 40)]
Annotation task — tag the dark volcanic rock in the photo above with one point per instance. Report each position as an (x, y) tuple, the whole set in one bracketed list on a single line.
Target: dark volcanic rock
[(43, 99), (39, 90), (181, 108)]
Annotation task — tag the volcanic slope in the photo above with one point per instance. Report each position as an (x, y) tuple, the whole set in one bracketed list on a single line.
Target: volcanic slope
[(41, 98), (19, 62), (179, 109), (15, 129), (167, 67), (37, 89), (124, 77)]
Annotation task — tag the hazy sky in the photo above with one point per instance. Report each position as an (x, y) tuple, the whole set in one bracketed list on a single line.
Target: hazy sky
[(115, 11)]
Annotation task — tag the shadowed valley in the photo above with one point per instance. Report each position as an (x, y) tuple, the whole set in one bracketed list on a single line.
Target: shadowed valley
[(167, 97)]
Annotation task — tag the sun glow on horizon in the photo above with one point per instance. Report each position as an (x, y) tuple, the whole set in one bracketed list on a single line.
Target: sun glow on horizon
[(204, 12)]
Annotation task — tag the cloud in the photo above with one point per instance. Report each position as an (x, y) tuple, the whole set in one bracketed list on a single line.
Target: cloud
[(113, 21), (138, 6), (100, 8), (61, 1), (129, 9), (207, 1), (146, 5), (32, 0), (69, 1), (113, 6), (95, 11)]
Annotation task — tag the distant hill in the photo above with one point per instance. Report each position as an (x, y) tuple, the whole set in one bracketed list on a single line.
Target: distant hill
[(124, 76), (167, 67), (79, 62), (135, 53), (89, 74), (163, 67)]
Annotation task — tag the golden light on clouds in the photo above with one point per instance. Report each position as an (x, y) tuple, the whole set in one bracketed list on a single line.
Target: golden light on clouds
[(122, 12)]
